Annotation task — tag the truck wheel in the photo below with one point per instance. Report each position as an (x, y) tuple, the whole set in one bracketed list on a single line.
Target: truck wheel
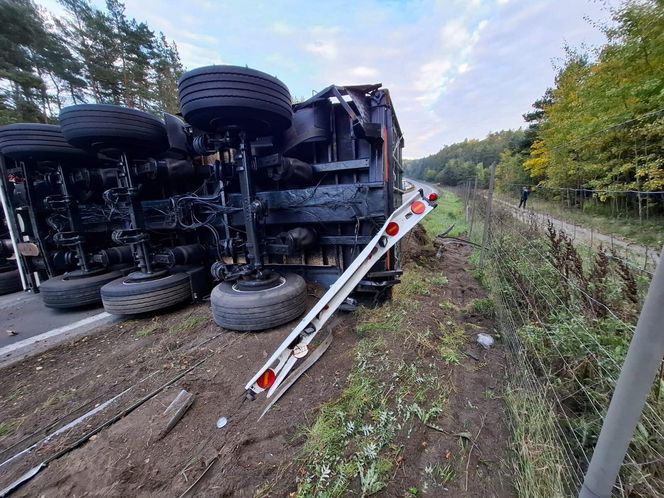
[(104, 126), (40, 142), (253, 310), (10, 280), (216, 97), (75, 289), (133, 295)]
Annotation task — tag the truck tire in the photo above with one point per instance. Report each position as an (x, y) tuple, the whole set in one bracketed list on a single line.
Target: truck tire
[(125, 296), (213, 98), (259, 309), (103, 126), (39, 142), (75, 290), (10, 280)]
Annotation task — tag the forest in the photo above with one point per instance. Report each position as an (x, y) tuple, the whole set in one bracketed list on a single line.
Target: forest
[(87, 56), (601, 125)]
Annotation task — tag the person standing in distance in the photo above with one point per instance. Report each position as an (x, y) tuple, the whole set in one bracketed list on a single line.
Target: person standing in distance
[(525, 192)]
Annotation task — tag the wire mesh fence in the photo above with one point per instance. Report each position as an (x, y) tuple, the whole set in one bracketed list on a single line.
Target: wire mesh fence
[(567, 310)]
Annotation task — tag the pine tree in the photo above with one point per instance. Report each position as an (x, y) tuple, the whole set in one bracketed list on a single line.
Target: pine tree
[(89, 55), (167, 70), (23, 98)]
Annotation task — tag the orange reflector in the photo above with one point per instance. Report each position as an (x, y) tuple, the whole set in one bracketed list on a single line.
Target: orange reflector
[(266, 379), (392, 229), (433, 196), (417, 207)]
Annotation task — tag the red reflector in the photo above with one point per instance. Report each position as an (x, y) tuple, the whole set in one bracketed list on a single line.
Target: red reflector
[(417, 207), (433, 196), (266, 379), (392, 229)]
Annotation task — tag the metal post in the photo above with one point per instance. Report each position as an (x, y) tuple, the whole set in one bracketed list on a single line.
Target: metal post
[(487, 220), (467, 200), (472, 211), (636, 376)]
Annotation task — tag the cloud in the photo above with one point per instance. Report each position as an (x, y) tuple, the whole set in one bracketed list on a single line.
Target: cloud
[(364, 72), (327, 50), (281, 28), (431, 80), (455, 69)]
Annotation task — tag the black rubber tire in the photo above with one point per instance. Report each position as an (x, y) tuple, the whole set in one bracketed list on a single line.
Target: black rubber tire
[(213, 98), (10, 280), (126, 297), (261, 309), (39, 142), (103, 126), (62, 292)]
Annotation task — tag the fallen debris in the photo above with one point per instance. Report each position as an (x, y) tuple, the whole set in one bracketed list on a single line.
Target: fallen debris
[(485, 340), (176, 410)]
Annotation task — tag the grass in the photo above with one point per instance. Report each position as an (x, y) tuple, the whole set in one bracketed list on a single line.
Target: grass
[(384, 319), (448, 306), (353, 445), (147, 330), (190, 322), (360, 420), (540, 460), (7, 427), (416, 281), (484, 306), (439, 281), (451, 342), (449, 212), (57, 398), (440, 474)]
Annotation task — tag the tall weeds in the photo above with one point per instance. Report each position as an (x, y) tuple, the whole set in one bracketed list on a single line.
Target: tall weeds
[(568, 314)]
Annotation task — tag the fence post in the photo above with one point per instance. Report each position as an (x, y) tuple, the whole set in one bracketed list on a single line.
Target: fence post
[(487, 220), (644, 356), (472, 211), (466, 198)]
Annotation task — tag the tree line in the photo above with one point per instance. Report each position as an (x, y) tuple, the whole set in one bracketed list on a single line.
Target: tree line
[(601, 126), (88, 55), (463, 160)]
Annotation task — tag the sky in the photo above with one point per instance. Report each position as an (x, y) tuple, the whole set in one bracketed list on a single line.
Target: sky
[(455, 69)]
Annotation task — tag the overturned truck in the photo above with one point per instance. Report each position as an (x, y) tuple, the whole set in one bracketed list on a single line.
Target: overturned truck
[(114, 205)]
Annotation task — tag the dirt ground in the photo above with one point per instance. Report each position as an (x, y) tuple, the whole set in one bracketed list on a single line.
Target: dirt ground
[(245, 458)]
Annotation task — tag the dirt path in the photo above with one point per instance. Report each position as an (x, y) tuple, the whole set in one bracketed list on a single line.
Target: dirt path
[(647, 257), (461, 452)]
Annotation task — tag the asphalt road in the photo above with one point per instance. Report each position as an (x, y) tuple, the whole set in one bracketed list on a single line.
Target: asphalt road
[(426, 187), (27, 326)]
